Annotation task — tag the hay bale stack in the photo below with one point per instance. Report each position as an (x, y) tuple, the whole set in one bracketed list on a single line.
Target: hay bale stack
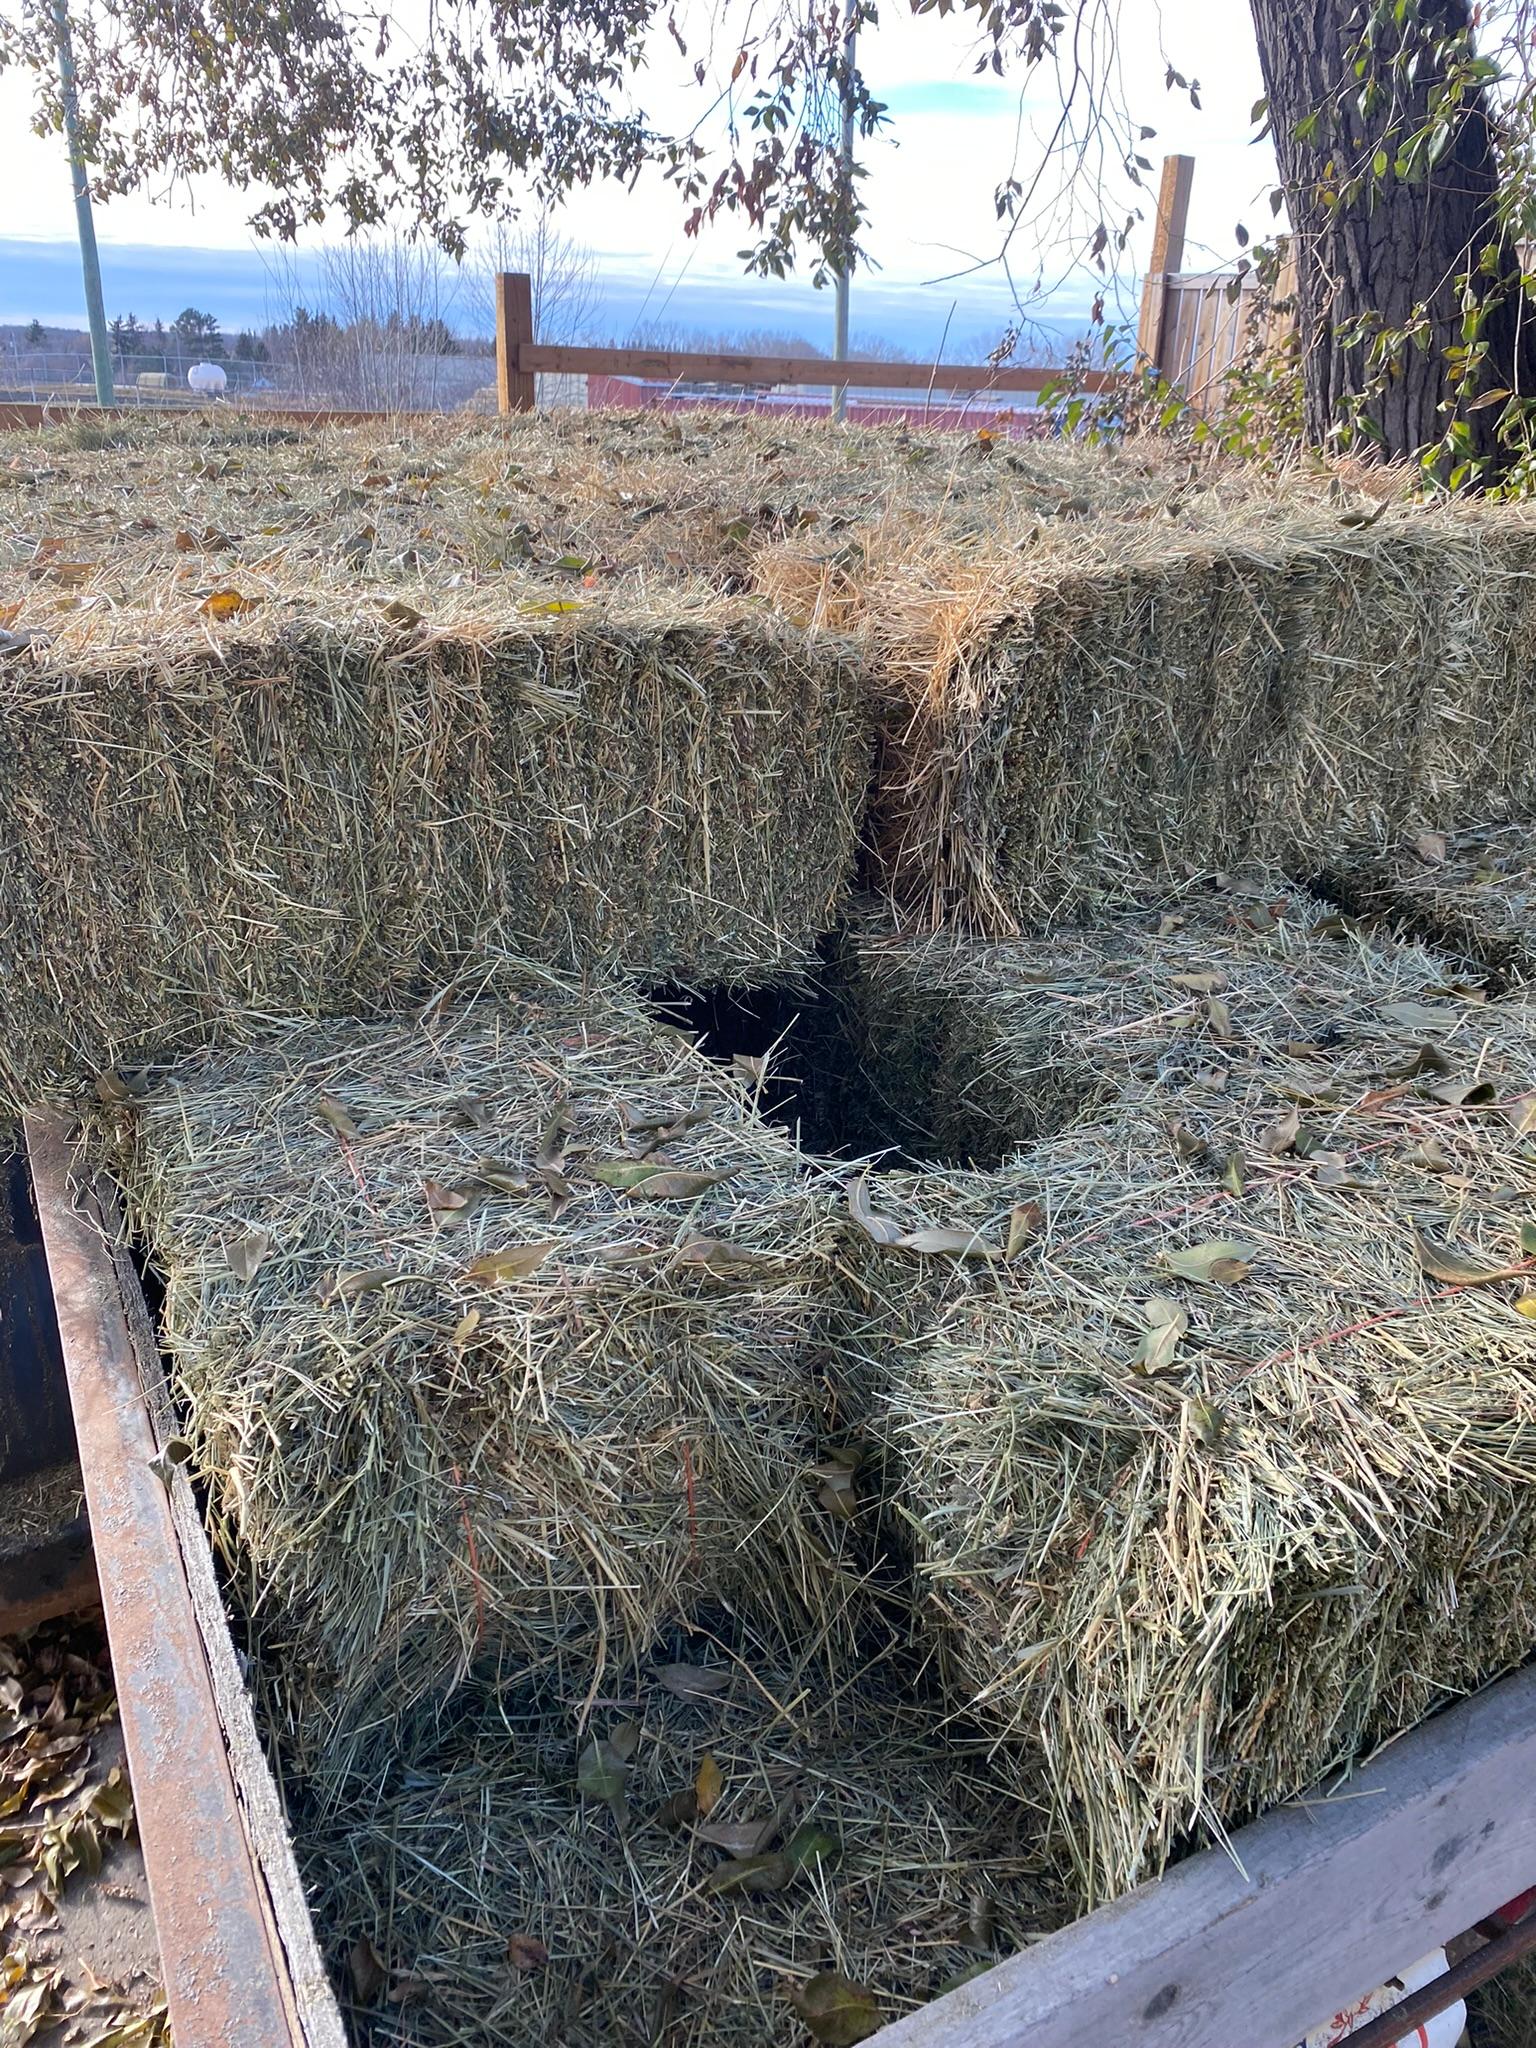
[(1227, 1473), (1473, 892), (473, 1893), (1252, 682), (973, 1050), (495, 1337), (211, 823)]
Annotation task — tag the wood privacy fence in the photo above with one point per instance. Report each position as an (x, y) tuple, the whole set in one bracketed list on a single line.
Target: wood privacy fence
[(1195, 324)]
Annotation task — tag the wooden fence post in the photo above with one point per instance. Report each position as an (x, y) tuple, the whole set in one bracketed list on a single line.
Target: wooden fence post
[(1167, 254), (514, 326)]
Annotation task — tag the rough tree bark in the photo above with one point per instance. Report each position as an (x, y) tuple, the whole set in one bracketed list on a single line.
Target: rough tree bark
[(1404, 244)]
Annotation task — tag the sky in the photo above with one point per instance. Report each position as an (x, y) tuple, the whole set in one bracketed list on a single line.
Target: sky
[(929, 186)]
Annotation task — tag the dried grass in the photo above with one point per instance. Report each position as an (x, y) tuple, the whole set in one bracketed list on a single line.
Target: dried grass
[(1474, 892), (413, 1463), (1195, 1578), (332, 816), (502, 1906), (1252, 681)]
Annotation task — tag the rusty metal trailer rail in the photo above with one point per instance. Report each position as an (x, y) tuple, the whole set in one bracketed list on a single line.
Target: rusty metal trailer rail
[(1307, 1911)]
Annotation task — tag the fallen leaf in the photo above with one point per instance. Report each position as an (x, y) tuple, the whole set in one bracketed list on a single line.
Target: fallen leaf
[(1458, 1269), (743, 1838), (653, 1179), (449, 1205), (1526, 1306), (1166, 1324), (810, 1845), (1209, 982), (515, 1262), (227, 604), (552, 608), (1462, 1094), (693, 1681), (750, 1067), (555, 1134), (879, 1229), (751, 1874), (839, 2013), (1026, 1220), (1219, 1017), (1205, 1419), (1187, 1144), (1419, 1016), (708, 1785), (1281, 1136), (337, 1116), (602, 1774), (1221, 1263), (465, 1328), (346, 1286), (939, 1243), (1234, 1175), (526, 1952), (366, 1968), (1430, 847), (404, 615), (246, 1252)]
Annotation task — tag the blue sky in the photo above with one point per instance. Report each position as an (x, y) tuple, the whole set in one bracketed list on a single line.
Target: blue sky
[(929, 184)]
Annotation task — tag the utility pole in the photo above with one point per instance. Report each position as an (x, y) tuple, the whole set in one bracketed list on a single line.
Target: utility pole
[(90, 263), (845, 181)]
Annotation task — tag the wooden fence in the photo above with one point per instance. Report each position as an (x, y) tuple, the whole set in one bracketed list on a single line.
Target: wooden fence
[(521, 358)]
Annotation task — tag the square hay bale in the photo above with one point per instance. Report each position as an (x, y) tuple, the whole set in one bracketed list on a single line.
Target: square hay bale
[(1254, 683), (1473, 892), (204, 824), (856, 1845), (1227, 1472), (496, 1337), (972, 1050)]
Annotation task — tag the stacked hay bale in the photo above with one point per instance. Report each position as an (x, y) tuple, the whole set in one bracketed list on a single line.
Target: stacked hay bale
[(1472, 891), (208, 823), (733, 1849), (1252, 680), (1216, 1442), (497, 1338)]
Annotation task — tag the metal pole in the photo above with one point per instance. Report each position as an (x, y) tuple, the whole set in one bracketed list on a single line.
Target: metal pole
[(845, 180), (90, 263)]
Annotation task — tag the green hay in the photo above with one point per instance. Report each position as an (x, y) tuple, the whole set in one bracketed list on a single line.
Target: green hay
[(413, 1464), (1252, 684), (499, 1905), (334, 819), (1195, 1581)]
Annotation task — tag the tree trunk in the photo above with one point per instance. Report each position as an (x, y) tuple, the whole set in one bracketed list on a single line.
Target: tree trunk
[(1400, 251)]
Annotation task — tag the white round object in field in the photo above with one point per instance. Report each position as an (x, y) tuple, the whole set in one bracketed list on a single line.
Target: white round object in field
[(208, 378)]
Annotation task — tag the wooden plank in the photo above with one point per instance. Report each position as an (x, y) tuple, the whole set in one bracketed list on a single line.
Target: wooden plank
[(260, 1802), (227, 1980), (515, 388), (1168, 231), (1316, 1905), (701, 366)]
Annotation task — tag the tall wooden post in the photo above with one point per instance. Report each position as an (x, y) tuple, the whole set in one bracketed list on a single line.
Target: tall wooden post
[(1167, 253), (514, 326)]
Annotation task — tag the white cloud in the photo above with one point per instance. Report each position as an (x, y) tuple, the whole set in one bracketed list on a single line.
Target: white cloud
[(930, 179)]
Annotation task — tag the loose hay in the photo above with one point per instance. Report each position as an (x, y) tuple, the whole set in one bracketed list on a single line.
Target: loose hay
[(1197, 1532), (474, 1894), (1474, 892), (452, 1402)]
